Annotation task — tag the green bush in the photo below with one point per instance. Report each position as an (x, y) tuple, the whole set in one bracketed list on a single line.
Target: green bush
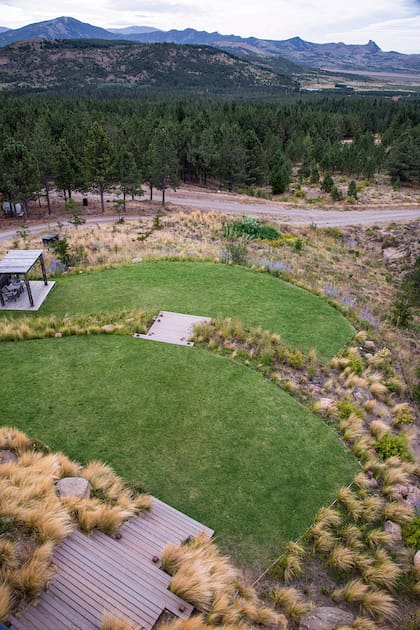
[(251, 228), (345, 408), (356, 364), (411, 533), (393, 445)]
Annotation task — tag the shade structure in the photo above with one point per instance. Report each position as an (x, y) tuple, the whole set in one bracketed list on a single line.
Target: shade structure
[(19, 262)]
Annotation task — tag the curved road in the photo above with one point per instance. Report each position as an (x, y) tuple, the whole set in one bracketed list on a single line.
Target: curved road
[(240, 205)]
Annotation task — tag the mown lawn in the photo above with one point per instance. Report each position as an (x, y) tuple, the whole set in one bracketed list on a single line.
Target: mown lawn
[(207, 435), (304, 320)]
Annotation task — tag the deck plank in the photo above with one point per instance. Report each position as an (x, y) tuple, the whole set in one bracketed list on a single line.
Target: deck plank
[(98, 573)]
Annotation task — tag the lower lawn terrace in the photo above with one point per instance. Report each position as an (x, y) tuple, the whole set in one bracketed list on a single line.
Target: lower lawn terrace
[(210, 436)]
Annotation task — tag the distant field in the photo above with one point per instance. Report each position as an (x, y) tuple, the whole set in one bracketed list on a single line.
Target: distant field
[(209, 436), (304, 320)]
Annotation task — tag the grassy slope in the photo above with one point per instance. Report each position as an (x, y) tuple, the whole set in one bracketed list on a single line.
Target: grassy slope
[(209, 436), (302, 319)]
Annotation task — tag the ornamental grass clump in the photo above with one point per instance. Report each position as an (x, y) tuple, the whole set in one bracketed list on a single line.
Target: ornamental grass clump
[(353, 591), (351, 502), (206, 578), (291, 601), (6, 600), (342, 558), (111, 621), (379, 604)]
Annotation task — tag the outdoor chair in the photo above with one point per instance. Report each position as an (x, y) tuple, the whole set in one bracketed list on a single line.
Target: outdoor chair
[(10, 292)]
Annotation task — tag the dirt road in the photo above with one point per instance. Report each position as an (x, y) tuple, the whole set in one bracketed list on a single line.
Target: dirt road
[(240, 205)]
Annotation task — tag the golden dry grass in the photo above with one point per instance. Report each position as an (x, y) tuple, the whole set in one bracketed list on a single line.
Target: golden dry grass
[(401, 513), (292, 602), (328, 516), (353, 591), (379, 604), (206, 578), (6, 600), (342, 558)]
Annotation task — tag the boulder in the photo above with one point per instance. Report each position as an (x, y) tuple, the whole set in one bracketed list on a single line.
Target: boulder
[(417, 560), (73, 487), (369, 345), (58, 335), (409, 494), (325, 618), (394, 529), (136, 260), (326, 403), (7, 456)]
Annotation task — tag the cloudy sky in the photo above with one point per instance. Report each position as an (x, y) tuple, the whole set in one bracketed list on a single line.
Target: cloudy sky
[(393, 24)]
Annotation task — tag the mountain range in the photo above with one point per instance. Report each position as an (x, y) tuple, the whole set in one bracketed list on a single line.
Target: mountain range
[(332, 56), (76, 63)]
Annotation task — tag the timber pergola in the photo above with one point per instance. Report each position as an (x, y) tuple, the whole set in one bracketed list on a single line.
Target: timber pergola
[(19, 262)]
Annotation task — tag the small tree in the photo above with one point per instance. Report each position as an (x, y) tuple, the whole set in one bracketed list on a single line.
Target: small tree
[(352, 190), (327, 183), (280, 173)]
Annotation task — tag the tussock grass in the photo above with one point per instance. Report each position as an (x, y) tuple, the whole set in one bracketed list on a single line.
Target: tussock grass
[(34, 574), (328, 517), (351, 502), (197, 622), (363, 623), (6, 600), (291, 601), (12, 438), (324, 539), (353, 591), (379, 604), (378, 428), (111, 621), (361, 480), (376, 537), (352, 536), (342, 558), (401, 513), (372, 508), (379, 390), (206, 578), (384, 573)]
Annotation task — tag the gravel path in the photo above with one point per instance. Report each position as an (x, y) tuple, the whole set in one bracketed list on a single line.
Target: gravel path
[(235, 204)]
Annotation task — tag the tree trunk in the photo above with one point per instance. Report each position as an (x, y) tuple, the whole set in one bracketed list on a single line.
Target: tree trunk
[(47, 196), (163, 195), (101, 192), (151, 192), (25, 209), (124, 196)]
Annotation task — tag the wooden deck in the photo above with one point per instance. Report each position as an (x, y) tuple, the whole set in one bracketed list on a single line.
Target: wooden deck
[(98, 573)]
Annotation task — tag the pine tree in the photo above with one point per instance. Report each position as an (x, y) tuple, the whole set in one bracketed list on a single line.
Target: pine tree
[(99, 161), (163, 165), (19, 173), (280, 173)]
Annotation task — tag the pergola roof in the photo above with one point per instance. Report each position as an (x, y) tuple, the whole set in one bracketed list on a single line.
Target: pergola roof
[(20, 260)]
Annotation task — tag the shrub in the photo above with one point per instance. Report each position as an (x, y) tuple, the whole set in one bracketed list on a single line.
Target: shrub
[(345, 408), (291, 600), (389, 445), (411, 533), (250, 228), (112, 622)]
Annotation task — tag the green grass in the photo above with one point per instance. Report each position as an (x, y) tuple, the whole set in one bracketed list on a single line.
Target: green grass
[(207, 435), (302, 319)]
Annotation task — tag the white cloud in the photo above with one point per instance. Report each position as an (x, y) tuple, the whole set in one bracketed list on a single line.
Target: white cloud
[(392, 23)]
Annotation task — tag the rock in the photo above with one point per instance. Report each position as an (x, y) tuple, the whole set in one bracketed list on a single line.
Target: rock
[(394, 529), (326, 403), (136, 260), (417, 560), (108, 328), (392, 253), (58, 335), (73, 487), (408, 493), (325, 618), (370, 345), (7, 456), (367, 355)]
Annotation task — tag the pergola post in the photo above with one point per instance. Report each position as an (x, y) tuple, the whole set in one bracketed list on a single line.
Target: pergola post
[(44, 274), (28, 288)]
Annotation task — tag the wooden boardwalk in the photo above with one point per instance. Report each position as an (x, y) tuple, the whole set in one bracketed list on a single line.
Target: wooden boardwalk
[(98, 573)]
